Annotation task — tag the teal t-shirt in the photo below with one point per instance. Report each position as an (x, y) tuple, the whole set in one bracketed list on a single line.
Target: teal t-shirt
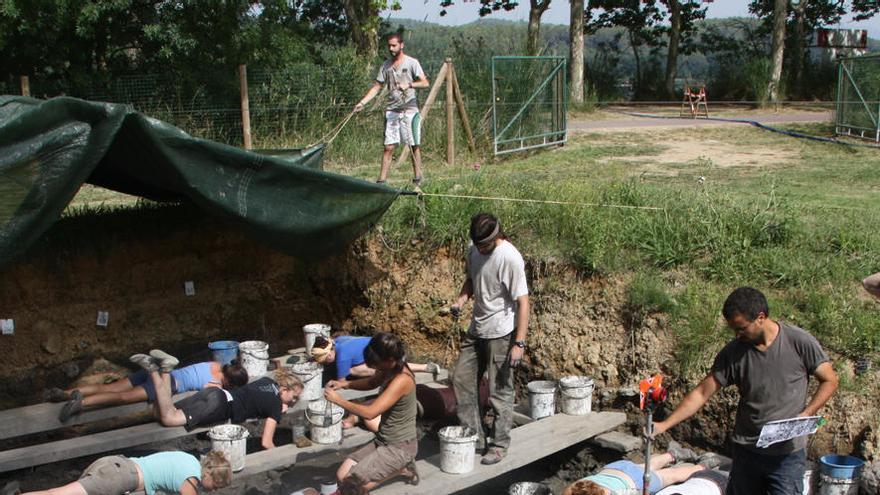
[(167, 471), (610, 482)]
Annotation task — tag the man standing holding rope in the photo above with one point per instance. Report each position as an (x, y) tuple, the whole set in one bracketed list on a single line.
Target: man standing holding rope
[(401, 75), (495, 342)]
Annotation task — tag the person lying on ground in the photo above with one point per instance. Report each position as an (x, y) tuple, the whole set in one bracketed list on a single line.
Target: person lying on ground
[(345, 354), (622, 476), (263, 398), (392, 453), (138, 387), (168, 472), (872, 285), (705, 482)]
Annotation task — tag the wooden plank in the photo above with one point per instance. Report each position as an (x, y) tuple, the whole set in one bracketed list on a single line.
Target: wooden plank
[(450, 115), (245, 107), (531, 442), (35, 455), (462, 112), (284, 456)]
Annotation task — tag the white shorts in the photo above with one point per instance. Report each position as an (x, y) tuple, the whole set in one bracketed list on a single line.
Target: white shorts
[(403, 126)]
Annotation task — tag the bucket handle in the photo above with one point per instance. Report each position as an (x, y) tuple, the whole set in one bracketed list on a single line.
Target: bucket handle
[(251, 354)]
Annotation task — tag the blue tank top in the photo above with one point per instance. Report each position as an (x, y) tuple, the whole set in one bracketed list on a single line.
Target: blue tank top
[(167, 471), (192, 378), (349, 353)]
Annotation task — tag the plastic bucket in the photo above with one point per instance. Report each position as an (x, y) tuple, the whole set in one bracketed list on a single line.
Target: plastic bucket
[(457, 445), (231, 440), (254, 357), (224, 351), (328, 486), (310, 376), (529, 488), (323, 431), (311, 331), (576, 395), (810, 479), (839, 474), (542, 399)]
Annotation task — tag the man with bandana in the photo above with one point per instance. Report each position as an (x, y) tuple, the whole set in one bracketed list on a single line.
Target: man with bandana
[(495, 342)]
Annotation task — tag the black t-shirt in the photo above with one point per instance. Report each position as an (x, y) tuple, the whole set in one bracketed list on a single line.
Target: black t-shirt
[(258, 399)]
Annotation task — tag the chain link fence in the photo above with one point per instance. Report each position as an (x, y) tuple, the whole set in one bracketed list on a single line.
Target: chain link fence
[(858, 97)]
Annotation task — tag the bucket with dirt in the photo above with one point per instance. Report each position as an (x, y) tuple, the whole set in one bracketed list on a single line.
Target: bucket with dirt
[(542, 399), (576, 395), (311, 331), (223, 351), (310, 375), (457, 445), (231, 440), (839, 474), (529, 488), (325, 421), (254, 357)]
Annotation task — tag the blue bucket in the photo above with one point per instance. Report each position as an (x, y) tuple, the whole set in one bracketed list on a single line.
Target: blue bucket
[(224, 350), (841, 466)]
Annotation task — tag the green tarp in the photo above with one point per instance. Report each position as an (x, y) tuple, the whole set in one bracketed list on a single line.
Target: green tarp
[(48, 148)]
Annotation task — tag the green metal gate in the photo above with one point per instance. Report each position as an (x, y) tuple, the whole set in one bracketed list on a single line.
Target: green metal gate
[(858, 97), (528, 102)]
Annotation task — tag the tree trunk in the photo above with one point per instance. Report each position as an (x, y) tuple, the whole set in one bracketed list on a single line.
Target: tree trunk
[(576, 54), (780, 13), (363, 21), (533, 39), (672, 53), (637, 84), (799, 43)]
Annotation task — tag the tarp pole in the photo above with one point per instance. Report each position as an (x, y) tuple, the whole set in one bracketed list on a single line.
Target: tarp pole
[(462, 113), (25, 86), (450, 115), (245, 107)]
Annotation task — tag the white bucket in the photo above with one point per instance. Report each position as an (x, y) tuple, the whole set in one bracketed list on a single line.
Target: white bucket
[(838, 486), (254, 358), (457, 445), (328, 486), (529, 488), (542, 399), (576, 395), (316, 414), (311, 331), (231, 440), (310, 376), (810, 478)]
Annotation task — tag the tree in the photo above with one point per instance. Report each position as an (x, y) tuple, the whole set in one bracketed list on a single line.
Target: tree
[(683, 15), (576, 52), (536, 11), (364, 21), (777, 50)]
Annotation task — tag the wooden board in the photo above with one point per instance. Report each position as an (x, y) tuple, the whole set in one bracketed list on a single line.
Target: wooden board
[(529, 443), (113, 440)]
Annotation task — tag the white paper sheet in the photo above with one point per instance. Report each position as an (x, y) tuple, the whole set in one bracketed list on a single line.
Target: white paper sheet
[(786, 429)]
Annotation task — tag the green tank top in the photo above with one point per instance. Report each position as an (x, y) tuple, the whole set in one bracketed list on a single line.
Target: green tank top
[(398, 424)]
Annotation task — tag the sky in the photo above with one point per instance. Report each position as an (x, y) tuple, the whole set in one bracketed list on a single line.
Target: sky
[(463, 12)]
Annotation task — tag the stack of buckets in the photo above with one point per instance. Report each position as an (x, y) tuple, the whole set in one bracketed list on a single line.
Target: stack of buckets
[(576, 394), (224, 351), (839, 474), (254, 358), (231, 440)]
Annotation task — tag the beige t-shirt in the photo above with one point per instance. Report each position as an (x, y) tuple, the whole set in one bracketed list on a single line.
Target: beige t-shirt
[(498, 279)]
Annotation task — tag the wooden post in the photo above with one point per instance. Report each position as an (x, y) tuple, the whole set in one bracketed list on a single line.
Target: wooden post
[(426, 107), (25, 86), (450, 115), (462, 114), (245, 107)]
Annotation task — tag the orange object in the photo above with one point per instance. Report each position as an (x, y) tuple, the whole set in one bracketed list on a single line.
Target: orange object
[(651, 392)]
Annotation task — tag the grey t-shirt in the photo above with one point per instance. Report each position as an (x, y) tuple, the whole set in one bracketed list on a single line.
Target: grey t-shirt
[(772, 383), (406, 73), (498, 279)]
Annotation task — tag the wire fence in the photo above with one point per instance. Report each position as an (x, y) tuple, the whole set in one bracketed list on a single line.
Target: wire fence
[(858, 98)]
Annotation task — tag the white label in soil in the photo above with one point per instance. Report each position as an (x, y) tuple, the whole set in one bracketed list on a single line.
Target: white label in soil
[(103, 318), (7, 327), (189, 288)]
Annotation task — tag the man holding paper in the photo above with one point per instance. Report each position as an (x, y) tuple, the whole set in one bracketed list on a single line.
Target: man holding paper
[(770, 363)]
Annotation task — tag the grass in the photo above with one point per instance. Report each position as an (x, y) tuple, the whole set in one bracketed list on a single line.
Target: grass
[(799, 222)]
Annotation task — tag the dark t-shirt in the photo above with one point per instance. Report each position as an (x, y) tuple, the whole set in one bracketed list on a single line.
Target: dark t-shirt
[(772, 383), (258, 399)]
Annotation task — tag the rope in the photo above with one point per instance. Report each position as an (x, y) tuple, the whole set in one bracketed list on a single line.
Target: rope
[(542, 201), (759, 125), (330, 136)]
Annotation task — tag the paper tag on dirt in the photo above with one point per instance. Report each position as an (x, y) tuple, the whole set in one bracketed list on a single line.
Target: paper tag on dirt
[(786, 429), (189, 288), (103, 318), (7, 327)]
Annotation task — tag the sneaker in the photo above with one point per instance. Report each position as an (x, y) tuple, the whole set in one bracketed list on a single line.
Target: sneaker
[(145, 362), (681, 454), (493, 456), (432, 368), (413, 473), (76, 395), (55, 394), (709, 460), (72, 407), (167, 362)]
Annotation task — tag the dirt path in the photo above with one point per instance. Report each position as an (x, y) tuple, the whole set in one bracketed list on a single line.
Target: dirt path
[(629, 121)]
